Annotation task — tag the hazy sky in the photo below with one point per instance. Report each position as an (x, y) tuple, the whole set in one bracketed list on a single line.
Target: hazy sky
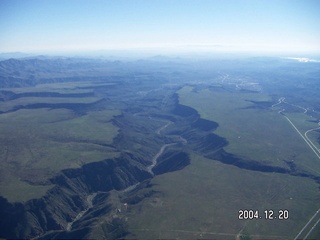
[(177, 25)]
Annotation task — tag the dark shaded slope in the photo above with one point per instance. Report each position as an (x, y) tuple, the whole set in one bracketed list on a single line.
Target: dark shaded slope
[(185, 111), (62, 203), (9, 95), (171, 161), (198, 133), (139, 140), (78, 107), (205, 125)]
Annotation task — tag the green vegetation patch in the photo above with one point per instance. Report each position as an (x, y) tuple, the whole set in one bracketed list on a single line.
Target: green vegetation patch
[(95, 127), (37, 143), (72, 85), (16, 190), (61, 87), (204, 199), (262, 135)]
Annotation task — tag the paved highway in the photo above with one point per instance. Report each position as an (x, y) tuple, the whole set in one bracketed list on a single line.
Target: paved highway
[(315, 219)]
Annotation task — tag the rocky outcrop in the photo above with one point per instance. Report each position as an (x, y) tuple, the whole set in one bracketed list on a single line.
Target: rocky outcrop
[(62, 203), (142, 134), (171, 161)]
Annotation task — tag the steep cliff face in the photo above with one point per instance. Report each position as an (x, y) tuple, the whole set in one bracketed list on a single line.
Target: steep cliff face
[(147, 137), (171, 161), (69, 197), (65, 209)]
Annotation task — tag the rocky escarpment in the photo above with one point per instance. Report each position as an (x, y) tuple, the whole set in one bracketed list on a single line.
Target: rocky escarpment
[(58, 213), (77, 107), (171, 161), (199, 135), (81, 196), (62, 203), (9, 95)]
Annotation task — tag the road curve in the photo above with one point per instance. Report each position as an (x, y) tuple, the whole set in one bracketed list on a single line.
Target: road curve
[(306, 135), (315, 219)]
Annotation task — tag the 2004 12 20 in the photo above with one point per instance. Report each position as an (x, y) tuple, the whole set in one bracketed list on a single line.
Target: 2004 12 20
[(267, 214)]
